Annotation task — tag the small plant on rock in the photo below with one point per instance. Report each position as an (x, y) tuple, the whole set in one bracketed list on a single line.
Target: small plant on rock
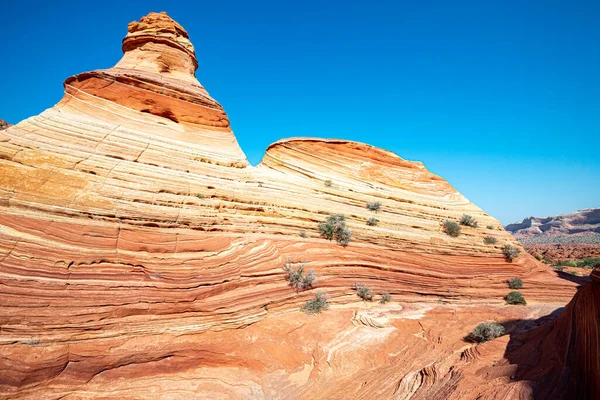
[(317, 304), (511, 252), (200, 196), (303, 234), (372, 221), (374, 206), (485, 332), (489, 227), (328, 183), (515, 298), (385, 298), (335, 226), (515, 283), (296, 277), (363, 291), (452, 228), (467, 220), (490, 240)]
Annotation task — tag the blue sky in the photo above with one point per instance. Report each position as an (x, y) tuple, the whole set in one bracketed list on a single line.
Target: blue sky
[(501, 98)]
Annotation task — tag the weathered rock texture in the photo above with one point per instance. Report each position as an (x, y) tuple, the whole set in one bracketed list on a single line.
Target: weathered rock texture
[(567, 236), (4, 124), (141, 255)]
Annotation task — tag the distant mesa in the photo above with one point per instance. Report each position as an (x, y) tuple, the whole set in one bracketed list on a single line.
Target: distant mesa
[(573, 235)]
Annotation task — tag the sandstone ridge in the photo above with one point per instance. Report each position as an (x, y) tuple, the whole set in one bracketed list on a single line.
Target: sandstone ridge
[(141, 254)]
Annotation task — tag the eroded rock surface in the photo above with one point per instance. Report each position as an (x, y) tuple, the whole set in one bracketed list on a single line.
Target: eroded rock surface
[(141, 255), (4, 124)]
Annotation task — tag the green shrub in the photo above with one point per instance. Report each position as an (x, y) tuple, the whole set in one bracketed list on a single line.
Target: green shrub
[(385, 298), (485, 332), (490, 240), (363, 291), (374, 206), (490, 227), (511, 252), (515, 283), (515, 298), (588, 262), (303, 234), (335, 226), (328, 183), (467, 220), (317, 304), (200, 196), (296, 277), (537, 257), (372, 221), (452, 228), (559, 268)]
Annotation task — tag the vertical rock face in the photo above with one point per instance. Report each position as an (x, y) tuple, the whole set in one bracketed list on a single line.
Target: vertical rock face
[(136, 241)]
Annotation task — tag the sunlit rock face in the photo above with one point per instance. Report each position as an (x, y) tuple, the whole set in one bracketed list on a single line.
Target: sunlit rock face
[(141, 254)]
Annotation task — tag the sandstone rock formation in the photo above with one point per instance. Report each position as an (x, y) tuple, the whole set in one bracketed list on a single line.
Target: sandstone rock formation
[(561, 237), (141, 255), (4, 124)]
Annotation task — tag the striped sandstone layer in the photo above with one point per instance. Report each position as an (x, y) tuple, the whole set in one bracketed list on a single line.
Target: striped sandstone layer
[(141, 254)]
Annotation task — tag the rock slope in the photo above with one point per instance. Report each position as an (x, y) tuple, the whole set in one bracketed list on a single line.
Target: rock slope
[(567, 236), (141, 255)]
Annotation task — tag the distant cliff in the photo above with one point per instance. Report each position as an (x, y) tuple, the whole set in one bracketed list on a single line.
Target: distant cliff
[(564, 236), (578, 222)]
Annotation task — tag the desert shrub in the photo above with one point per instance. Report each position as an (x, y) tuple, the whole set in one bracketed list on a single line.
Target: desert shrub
[(490, 240), (511, 252), (576, 273), (373, 206), (537, 257), (200, 196), (316, 304), (363, 291), (588, 262), (569, 263), (372, 221), (335, 226), (515, 283), (485, 332), (328, 183), (467, 220), (452, 228), (385, 298), (559, 268), (490, 227), (303, 234), (296, 277), (515, 298)]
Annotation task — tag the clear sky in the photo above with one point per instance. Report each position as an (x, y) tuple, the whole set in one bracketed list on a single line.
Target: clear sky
[(501, 98)]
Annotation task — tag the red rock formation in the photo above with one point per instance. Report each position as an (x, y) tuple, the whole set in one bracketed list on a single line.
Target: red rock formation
[(141, 255), (561, 237), (4, 124)]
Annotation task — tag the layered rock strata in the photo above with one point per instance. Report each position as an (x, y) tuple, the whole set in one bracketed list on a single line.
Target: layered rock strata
[(136, 242), (561, 237)]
